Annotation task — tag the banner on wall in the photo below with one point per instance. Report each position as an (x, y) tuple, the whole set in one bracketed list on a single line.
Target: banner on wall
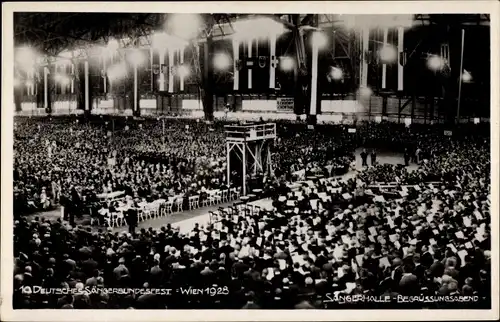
[(285, 103)]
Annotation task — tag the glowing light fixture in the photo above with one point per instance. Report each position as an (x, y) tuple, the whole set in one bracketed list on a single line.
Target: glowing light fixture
[(435, 63), (388, 54), (221, 61), (136, 57), (319, 39), (466, 76), (117, 71), (25, 57), (365, 92), (287, 63), (336, 73), (183, 25), (162, 41), (183, 71), (255, 28)]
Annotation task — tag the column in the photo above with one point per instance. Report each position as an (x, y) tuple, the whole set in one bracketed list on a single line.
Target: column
[(384, 65), (228, 160), (151, 52), (87, 97), (64, 74), (72, 77), (364, 49), (236, 71), (45, 87), (181, 76), (244, 149), (136, 98), (272, 68), (249, 67), (314, 78), (400, 51), (104, 75), (170, 70), (162, 74)]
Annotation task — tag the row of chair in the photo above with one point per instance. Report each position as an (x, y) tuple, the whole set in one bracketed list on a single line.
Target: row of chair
[(161, 208)]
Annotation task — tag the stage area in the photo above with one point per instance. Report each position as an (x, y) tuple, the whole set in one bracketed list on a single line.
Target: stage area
[(187, 219)]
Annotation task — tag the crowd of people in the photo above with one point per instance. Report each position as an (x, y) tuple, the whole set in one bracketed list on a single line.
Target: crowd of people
[(68, 161), (385, 232)]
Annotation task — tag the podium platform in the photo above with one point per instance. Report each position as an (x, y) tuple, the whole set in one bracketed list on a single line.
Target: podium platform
[(252, 144)]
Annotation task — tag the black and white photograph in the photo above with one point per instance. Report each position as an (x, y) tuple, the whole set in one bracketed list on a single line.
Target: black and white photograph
[(266, 159)]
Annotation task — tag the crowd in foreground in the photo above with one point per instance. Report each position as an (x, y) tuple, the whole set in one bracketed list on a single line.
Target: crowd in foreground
[(328, 239)]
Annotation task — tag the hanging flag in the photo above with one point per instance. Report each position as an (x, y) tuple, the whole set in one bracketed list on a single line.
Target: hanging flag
[(402, 58), (238, 64), (262, 61), (156, 69), (369, 57), (446, 70), (164, 69), (445, 53)]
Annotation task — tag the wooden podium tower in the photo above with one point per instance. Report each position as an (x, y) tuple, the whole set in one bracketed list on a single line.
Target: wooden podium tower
[(252, 145)]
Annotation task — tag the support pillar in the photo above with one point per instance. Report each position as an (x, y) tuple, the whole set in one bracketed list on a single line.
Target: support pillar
[(161, 56), (87, 101), (249, 68), (181, 76), (364, 62), (236, 66), (384, 66), (244, 152), (272, 58), (170, 71), (401, 33)]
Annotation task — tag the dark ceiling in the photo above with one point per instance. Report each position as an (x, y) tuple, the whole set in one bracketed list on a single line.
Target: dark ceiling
[(52, 33)]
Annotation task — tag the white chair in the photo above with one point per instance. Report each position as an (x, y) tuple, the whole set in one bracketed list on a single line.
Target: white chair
[(144, 214), (238, 192), (208, 201), (154, 210), (167, 209), (120, 219), (194, 202), (117, 219), (108, 221), (218, 196), (225, 195), (179, 202)]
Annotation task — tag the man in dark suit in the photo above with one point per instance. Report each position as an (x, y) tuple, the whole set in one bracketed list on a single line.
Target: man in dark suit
[(132, 218), (373, 156), (364, 157), (407, 157), (75, 205)]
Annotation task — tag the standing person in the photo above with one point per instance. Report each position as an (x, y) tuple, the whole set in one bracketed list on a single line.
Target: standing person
[(407, 157), (417, 155), (75, 205), (373, 156), (364, 157), (132, 218), (226, 111)]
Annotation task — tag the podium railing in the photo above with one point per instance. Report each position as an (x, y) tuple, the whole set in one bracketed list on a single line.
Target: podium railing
[(250, 132)]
